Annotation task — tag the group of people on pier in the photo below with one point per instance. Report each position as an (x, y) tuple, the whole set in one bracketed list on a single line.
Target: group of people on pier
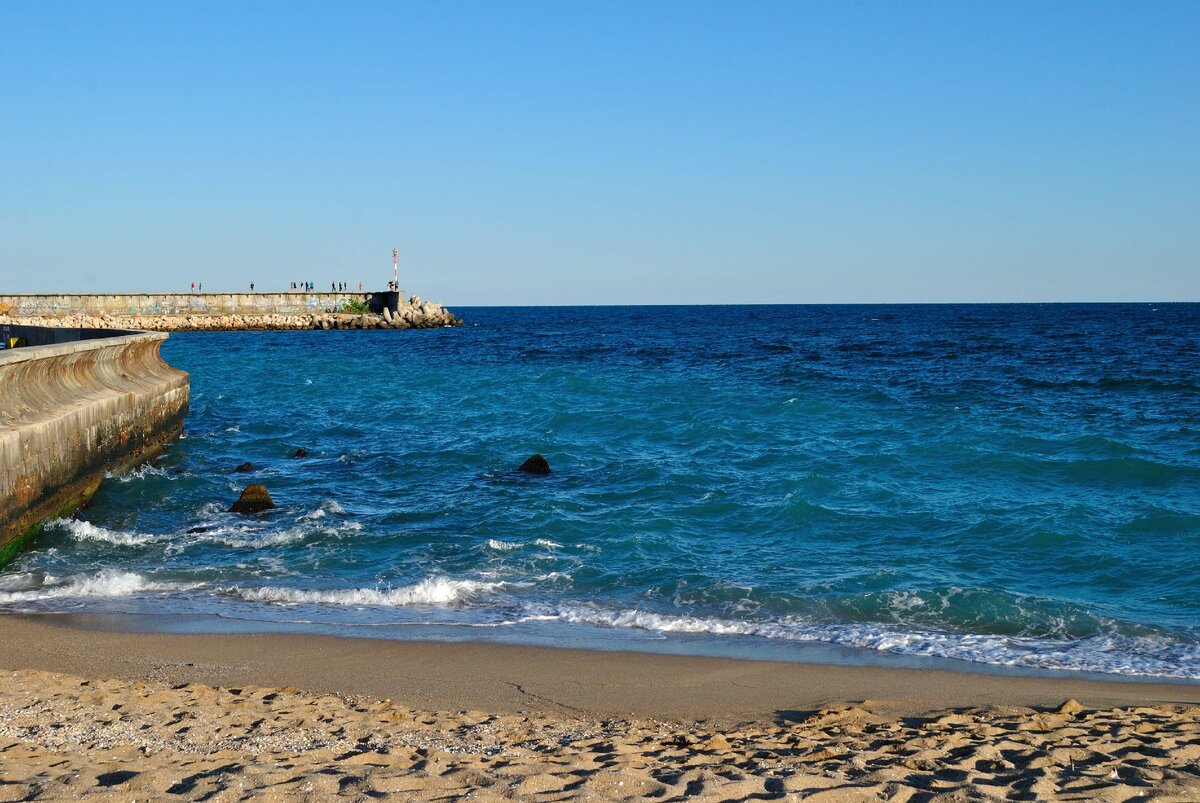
[(304, 287), (336, 287)]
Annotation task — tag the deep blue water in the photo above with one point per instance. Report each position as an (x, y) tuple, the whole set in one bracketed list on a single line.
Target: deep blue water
[(1007, 484)]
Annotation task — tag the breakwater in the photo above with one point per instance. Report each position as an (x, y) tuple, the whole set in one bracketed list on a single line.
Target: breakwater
[(76, 404), (183, 312), (53, 305)]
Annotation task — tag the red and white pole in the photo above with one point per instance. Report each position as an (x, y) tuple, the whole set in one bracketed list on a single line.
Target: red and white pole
[(396, 267)]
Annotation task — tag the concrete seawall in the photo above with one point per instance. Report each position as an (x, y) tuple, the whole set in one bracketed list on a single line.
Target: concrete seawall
[(125, 304), (87, 403)]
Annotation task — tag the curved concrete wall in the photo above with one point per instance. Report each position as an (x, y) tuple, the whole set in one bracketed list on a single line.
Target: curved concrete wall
[(69, 412)]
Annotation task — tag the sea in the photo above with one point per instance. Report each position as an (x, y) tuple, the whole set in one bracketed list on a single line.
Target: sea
[(1010, 488)]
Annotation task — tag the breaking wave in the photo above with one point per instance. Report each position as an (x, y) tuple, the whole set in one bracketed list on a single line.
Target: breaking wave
[(234, 536), (326, 507), (509, 546), (430, 591), (105, 583), (502, 546), (141, 472), (80, 530), (1154, 655)]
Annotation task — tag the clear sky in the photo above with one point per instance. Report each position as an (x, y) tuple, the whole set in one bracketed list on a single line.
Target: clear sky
[(605, 152)]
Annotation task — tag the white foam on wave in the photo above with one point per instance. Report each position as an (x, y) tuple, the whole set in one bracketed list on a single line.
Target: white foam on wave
[(86, 531), (436, 590), (141, 472), (1156, 656), (503, 546), (246, 539), (508, 546), (211, 509), (237, 536), (106, 583), (241, 537), (325, 508), (664, 623), (552, 577), (16, 581)]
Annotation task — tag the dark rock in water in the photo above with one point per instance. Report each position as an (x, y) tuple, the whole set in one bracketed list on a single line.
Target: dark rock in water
[(197, 530), (244, 467), (535, 465), (253, 500), (301, 452)]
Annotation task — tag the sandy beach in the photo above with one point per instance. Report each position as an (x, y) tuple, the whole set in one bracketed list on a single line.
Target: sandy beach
[(128, 716)]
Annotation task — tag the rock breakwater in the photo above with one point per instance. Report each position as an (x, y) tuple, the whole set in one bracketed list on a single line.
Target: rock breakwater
[(412, 314)]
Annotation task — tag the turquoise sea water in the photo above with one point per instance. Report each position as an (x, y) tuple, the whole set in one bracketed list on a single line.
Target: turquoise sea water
[(1013, 485)]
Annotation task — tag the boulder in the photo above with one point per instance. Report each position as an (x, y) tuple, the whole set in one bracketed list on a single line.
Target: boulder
[(535, 465), (301, 452), (244, 468), (254, 499)]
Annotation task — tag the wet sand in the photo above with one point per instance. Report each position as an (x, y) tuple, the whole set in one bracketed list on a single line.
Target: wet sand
[(123, 716)]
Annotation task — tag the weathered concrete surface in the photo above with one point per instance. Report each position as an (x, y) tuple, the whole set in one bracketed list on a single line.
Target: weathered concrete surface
[(71, 411), (286, 303)]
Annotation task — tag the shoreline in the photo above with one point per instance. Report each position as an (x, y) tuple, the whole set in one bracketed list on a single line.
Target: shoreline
[(511, 678), (592, 639)]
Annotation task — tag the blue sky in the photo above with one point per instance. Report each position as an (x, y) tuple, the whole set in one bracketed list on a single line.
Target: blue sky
[(588, 152)]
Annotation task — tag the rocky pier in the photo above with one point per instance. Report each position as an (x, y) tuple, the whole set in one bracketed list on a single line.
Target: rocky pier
[(415, 313)]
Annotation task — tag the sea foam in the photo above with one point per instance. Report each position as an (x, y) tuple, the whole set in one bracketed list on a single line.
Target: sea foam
[(1142, 655), (86, 531), (435, 590), (141, 472), (502, 546), (105, 583)]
